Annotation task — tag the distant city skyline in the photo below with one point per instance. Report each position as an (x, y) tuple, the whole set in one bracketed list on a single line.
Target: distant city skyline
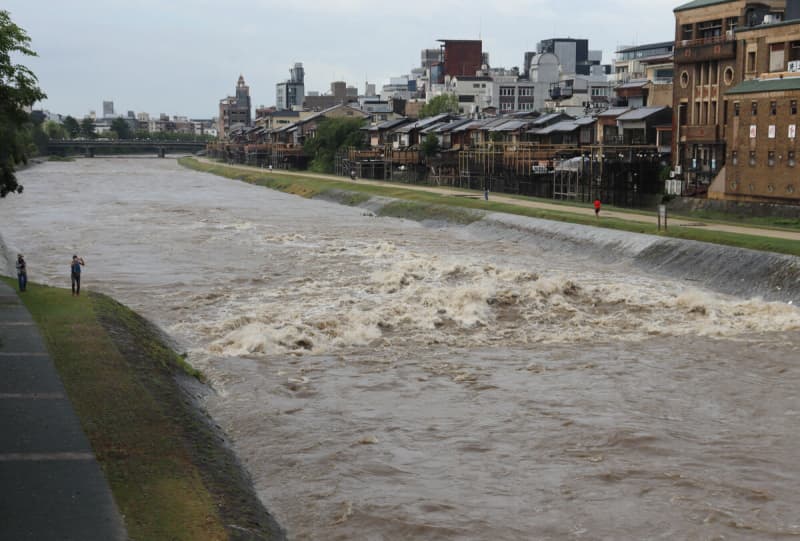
[(181, 58)]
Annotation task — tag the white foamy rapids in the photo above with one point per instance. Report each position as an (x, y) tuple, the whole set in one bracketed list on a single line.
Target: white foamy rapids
[(408, 298)]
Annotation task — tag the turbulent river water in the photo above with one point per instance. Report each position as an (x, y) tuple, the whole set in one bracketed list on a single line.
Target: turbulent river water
[(387, 380)]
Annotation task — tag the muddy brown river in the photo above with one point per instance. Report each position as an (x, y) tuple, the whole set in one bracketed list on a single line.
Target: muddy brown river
[(387, 380)]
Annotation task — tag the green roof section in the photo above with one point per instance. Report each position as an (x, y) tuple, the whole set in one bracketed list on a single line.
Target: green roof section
[(766, 85), (700, 4)]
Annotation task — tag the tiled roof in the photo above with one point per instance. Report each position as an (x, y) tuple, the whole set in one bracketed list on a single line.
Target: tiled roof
[(700, 4), (613, 112), (641, 113), (766, 85)]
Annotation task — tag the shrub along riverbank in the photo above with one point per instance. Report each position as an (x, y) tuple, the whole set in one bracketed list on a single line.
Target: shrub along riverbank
[(425, 205), (171, 471)]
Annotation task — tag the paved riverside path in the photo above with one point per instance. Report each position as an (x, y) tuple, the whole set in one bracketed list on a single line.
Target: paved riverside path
[(650, 218), (51, 486)]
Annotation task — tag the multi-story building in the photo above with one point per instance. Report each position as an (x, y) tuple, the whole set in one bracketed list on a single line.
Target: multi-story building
[(291, 94), (573, 54), (762, 115), (235, 110), (514, 94), (474, 93), (108, 109), (631, 63), (461, 58), (708, 53)]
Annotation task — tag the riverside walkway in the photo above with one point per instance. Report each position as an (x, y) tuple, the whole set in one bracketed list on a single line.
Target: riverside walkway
[(52, 485), (639, 217)]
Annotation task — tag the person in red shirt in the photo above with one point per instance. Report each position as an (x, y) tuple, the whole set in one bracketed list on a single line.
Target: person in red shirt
[(597, 206)]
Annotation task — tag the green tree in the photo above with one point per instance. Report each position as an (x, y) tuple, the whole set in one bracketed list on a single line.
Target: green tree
[(430, 145), (87, 128), (121, 127), (55, 131), (18, 89), (333, 134), (446, 103), (72, 127)]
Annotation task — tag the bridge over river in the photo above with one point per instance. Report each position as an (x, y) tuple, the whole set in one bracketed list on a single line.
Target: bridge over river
[(88, 147)]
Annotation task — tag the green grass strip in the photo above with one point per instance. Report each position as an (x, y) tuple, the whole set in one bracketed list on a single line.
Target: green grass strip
[(167, 470), (431, 205)]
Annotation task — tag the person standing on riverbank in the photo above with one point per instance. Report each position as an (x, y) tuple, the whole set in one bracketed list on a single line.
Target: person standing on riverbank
[(75, 271), (22, 273), (597, 205)]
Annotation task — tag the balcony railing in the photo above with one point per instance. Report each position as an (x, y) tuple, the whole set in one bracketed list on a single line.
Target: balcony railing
[(701, 50), (705, 41)]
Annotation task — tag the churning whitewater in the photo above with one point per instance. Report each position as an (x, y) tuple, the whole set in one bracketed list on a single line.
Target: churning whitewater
[(382, 379)]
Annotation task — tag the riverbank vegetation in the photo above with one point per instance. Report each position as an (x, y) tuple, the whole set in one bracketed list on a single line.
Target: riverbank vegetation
[(18, 90), (333, 135), (428, 205), (170, 470)]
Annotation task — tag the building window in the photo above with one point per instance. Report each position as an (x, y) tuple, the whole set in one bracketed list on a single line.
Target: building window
[(728, 76), (792, 162), (736, 108), (735, 157), (751, 61), (793, 107), (790, 188), (734, 185), (776, 57), (770, 188), (754, 108), (687, 32), (753, 158), (684, 79), (709, 29), (771, 158), (773, 108)]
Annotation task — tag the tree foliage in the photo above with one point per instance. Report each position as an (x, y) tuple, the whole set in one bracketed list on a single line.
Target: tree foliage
[(446, 103), (333, 134), (87, 128), (55, 131), (18, 90), (430, 145), (121, 127), (72, 127)]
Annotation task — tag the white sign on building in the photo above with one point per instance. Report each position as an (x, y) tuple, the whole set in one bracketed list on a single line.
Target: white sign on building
[(753, 131)]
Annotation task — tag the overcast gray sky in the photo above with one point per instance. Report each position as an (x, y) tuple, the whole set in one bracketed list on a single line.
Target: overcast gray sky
[(181, 57)]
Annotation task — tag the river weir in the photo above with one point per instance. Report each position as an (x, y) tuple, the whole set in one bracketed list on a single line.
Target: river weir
[(511, 379)]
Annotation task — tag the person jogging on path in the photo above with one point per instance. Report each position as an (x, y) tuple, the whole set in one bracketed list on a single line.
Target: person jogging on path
[(75, 269), (597, 206), (22, 273)]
